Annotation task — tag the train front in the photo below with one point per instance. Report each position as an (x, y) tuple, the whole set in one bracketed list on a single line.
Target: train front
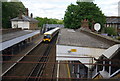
[(47, 38)]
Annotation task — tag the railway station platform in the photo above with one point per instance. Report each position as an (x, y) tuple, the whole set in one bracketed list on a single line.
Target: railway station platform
[(78, 44), (28, 39), (83, 47)]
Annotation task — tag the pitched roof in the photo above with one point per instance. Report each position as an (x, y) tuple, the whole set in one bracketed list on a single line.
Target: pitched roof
[(24, 18), (113, 20), (109, 53)]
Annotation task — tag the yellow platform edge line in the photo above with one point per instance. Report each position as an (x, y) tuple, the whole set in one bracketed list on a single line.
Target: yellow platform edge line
[(68, 70)]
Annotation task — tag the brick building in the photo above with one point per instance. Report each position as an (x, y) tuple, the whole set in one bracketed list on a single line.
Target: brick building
[(113, 21), (24, 21)]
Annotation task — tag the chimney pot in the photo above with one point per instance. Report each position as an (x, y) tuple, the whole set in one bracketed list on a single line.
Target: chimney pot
[(20, 14), (27, 12)]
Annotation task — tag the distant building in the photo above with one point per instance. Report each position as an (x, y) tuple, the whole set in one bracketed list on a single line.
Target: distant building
[(24, 21), (113, 21), (54, 25), (47, 27)]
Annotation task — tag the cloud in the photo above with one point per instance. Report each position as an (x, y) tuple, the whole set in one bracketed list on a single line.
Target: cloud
[(57, 8), (47, 8), (109, 7)]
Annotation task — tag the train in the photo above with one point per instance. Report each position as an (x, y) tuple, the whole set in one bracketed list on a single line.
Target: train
[(48, 36)]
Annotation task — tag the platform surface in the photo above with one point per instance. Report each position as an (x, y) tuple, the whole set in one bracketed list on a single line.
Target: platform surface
[(70, 37)]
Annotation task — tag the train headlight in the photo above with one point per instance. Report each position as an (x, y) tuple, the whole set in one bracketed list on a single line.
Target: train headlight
[(49, 40)]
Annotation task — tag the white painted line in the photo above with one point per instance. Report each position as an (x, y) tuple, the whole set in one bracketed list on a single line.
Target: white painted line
[(58, 69), (20, 59), (115, 73)]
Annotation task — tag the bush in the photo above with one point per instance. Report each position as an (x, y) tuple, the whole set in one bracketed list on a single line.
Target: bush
[(118, 38), (110, 31)]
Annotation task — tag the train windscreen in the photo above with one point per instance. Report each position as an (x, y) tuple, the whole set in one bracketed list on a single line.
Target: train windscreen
[(47, 36)]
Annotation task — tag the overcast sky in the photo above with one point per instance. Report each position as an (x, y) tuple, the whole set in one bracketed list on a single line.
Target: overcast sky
[(56, 8)]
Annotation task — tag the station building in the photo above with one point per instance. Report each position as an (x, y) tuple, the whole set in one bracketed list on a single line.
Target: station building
[(82, 47), (111, 69)]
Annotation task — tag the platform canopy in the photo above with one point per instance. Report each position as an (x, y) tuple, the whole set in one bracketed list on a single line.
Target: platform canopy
[(17, 37)]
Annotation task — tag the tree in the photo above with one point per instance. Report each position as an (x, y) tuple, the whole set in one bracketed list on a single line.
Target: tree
[(10, 10), (48, 21), (83, 10)]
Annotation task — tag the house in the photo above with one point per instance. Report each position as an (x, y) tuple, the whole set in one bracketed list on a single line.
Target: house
[(24, 21), (113, 21)]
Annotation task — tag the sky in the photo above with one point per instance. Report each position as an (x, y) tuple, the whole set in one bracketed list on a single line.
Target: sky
[(57, 8)]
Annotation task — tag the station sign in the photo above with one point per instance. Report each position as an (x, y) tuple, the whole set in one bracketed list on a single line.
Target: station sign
[(73, 50)]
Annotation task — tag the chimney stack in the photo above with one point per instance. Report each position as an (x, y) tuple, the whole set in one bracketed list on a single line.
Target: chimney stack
[(20, 14), (31, 15), (27, 12)]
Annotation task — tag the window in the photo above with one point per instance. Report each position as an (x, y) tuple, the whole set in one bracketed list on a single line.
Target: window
[(47, 36)]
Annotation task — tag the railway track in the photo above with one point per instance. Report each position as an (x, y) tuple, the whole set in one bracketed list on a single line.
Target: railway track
[(30, 69), (38, 69), (50, 70)]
